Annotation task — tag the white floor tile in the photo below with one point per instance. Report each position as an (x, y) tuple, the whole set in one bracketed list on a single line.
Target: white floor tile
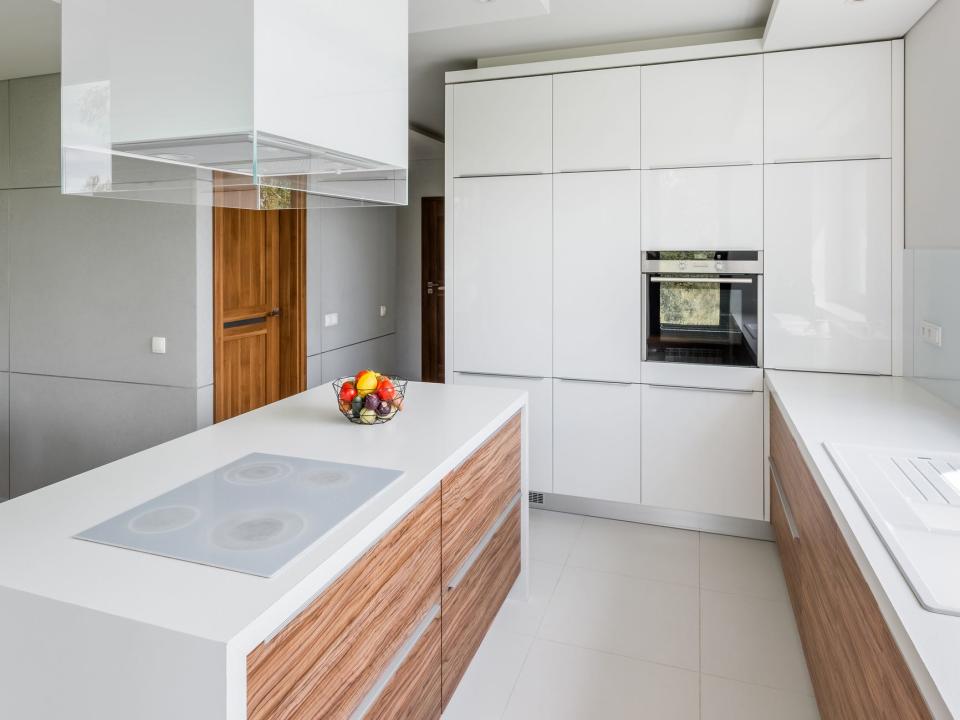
[(753, 640), (646, 551), (561, 682), (643, 619), (523, 615), (485, 689), (723, 699), (737, 565), (552, 535)]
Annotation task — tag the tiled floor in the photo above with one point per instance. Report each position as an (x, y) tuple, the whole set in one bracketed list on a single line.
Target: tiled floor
[(641, 622)]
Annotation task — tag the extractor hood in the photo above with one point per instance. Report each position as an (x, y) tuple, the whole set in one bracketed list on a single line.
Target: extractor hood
[(237, 103)]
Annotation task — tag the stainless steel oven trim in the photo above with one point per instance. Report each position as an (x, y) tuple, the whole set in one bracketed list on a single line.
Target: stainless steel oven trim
[(705, 267), (644, 319), (713, 280)]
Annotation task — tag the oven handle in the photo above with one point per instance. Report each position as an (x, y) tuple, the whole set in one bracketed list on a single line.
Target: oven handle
[(719, 281)]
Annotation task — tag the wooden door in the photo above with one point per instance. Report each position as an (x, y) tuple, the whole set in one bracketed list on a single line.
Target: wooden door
[(259, 318), (432, 293)]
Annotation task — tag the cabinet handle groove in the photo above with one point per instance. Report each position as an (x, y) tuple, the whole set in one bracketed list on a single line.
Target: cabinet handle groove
[(482, 545), (784, 502)]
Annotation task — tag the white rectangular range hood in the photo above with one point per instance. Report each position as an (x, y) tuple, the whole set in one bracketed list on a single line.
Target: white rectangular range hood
[(237, 103)]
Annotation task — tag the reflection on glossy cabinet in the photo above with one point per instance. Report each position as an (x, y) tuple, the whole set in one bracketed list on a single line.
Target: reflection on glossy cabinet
[(703, 450), (703, 208), (596, 266), (503, 127), (828, 267), (540, 421), (707, 112), (597, 440), (596, 120), (503, 285), (828, 103)]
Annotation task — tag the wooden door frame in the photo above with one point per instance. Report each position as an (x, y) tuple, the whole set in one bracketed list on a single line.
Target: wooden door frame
[(292, 301)]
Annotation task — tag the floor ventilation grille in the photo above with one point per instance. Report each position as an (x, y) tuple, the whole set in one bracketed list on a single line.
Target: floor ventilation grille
[(536, 498)]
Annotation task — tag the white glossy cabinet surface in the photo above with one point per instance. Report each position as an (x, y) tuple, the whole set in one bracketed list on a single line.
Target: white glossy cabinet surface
[(503, 275), (503, 127), (541, 420), (596, 440), (596, 120), (828, 103), (707, 112), (717, 208), (828, 264), (703, 451), (597, 287)]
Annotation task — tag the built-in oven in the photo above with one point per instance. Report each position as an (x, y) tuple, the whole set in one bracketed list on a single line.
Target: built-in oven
[(704, 307)]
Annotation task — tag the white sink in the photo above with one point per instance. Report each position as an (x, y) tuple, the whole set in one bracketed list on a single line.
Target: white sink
[(913, 500)]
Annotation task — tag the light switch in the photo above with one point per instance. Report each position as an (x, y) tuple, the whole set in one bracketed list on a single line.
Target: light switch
[(158, 345), (331, 319), (931, 333), (383, 311)]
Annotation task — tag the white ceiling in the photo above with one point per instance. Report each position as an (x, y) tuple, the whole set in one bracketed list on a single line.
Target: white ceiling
[(29, 38)]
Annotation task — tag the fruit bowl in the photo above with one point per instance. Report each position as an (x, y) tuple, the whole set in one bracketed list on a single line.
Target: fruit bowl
[(369, 398)]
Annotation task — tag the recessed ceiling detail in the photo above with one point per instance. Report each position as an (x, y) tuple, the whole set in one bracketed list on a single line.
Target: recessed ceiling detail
[(427, 15)]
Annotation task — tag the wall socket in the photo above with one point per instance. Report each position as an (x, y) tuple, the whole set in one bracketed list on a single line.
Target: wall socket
[(331, 319), (383, 311), (932, 334)]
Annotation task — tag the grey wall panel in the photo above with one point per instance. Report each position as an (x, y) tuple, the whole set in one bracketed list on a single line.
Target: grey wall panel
[(314, 371), (4, 281), (314, 277), (358, 253), (4, 134), (93, 280), (35, 131), (204, 407), (62, 427), (204, 296), (378, 354), (4, 436)]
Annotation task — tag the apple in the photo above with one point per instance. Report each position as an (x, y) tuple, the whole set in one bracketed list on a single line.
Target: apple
[(386, 389), (348, 392)]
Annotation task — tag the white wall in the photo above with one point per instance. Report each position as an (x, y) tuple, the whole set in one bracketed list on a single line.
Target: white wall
[(932, 122), (426, 180), (84, 284)]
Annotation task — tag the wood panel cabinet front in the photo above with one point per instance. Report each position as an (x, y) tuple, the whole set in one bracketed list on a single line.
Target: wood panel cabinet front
[(476, 493), (414, 692), (857, 670), (470, 607), (332, 654)]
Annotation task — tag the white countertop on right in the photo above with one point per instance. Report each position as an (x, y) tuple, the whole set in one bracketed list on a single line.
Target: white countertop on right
[(879, 411)]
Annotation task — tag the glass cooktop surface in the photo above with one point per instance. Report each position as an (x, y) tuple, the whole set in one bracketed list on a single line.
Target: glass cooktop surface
[(253, 516)]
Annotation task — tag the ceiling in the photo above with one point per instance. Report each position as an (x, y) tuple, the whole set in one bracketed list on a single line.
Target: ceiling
[(453, 34)]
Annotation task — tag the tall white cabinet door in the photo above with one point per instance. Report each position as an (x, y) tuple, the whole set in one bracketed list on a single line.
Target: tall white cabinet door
[(596, 120), (828, 264), (540, 421), (596, 440), (597, 284), (707, 112), (503, 275), (503, 127), (703, 208), (703, 450), (828, 103)]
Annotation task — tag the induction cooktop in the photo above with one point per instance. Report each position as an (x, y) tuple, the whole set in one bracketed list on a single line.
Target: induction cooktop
[(252, 516)]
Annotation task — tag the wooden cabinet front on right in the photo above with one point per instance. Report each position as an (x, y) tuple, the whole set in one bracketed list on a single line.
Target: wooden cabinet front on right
[(828, 303), (857, 670)]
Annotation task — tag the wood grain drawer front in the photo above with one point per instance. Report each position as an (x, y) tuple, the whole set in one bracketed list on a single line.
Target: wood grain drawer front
[(469, 608), (477, 492), (857, 670), (413, 693), (326, 661)]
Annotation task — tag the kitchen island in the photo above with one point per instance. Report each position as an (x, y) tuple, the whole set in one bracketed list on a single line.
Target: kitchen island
[(351, 627)]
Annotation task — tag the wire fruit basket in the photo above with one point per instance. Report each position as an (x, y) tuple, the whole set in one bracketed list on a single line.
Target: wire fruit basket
[(370, 407)]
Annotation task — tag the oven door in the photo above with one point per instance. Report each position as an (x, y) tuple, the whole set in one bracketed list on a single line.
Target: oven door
[(703, 319)]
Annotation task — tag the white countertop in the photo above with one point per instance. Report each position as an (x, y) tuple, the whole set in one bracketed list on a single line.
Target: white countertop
[(439, 427), (879, 411)]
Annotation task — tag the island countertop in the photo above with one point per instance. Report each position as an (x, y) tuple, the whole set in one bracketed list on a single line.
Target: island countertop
[(223, 612)]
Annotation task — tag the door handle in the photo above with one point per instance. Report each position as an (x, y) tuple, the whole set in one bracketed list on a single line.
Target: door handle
[(253, 320)]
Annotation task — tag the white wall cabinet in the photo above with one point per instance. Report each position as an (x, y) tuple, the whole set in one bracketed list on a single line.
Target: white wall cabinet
[(597, 440), (703, 208), (503, 275), (596, 120), (541, 421), (707, 112), (828, 265), (596, 264), (503, 127), (702, 450), (828, 103)]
